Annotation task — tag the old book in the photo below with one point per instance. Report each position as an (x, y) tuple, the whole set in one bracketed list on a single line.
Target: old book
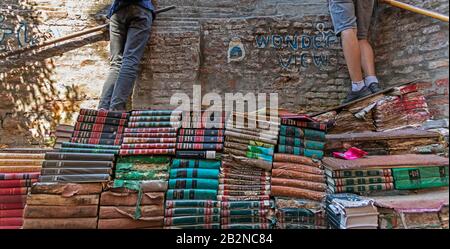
[(201, 132), (198, 155), (297, 193), (103, 113), (76, 164), (304, 124), (191, 194), (19, 169), (11, 221), (114, 141), (364, 188), (92, 127), (96, 135), (118, 212), (76, 171), (85, 211), (79, 156), (5, 199), (351, 212), (17, 183), (67, 189), (60, 223), (381, 162), (57, 200), (14, 191), (127, 223), (86, 178), (130, 199), (102, 120), (359, 180), (11, 213)]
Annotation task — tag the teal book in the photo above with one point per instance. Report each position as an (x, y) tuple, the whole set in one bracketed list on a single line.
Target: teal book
[(193, 183), (194, 173), (191, 194), (195, 164)]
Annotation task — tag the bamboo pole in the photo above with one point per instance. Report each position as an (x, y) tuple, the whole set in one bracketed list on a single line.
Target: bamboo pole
[(417, 10), (66, 38)]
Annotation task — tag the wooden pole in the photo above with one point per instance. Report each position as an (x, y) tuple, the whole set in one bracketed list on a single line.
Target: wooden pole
[(65, 38), (418, 10)]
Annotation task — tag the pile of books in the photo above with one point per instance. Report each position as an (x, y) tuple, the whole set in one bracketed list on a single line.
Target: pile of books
[(350, 211)]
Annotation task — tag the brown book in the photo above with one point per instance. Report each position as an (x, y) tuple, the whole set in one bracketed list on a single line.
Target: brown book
[(129, 212), (64, 223), (56, 200), (130, 199), (60, 211), (157, 222), (66, 189)]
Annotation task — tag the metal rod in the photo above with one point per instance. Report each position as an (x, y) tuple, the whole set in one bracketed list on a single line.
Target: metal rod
[(418, 10), (67, 37)]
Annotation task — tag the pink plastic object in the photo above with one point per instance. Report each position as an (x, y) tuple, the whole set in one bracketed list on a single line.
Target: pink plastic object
[(351, 154)]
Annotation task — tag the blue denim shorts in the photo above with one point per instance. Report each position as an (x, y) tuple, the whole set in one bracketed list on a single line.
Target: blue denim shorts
[(352, 14)]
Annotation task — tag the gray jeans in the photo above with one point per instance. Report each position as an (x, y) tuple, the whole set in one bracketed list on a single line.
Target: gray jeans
[(352, 14), (129, 32)]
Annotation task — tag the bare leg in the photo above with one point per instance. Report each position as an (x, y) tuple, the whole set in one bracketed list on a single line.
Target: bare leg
[(352, 54), (367, 58)]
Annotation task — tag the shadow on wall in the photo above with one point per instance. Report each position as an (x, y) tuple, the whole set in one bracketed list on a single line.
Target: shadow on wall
[(31, 104)]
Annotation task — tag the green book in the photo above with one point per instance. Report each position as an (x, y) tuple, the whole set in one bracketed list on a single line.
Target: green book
[(194, 173), (193, 183), (195, 164), (144, 159), (150, 175), (191, 194), (418, 173)]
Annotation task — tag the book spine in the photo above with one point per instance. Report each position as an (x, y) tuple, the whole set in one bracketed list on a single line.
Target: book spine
[(201, 132), (199, 146), (200, 139), (97, 141), (102, 120)]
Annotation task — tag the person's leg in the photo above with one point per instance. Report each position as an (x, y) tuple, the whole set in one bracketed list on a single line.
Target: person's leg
[(118, 32), (364, 12), (343, 14), (139, 26), (352, 54)]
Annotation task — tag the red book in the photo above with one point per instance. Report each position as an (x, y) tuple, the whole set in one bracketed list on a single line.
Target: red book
[(9, 206), (17, 183), (16, 221), (13, 191), (13, 198), (10, 227), (11, 213)]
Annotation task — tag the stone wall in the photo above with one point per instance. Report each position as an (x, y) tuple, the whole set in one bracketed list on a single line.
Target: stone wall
[(282, 46)]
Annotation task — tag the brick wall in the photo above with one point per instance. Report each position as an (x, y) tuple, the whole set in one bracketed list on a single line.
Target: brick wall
[(282, 46)]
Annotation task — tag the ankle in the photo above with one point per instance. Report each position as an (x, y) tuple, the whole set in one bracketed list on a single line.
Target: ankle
[(369, 80), (358, 85)]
